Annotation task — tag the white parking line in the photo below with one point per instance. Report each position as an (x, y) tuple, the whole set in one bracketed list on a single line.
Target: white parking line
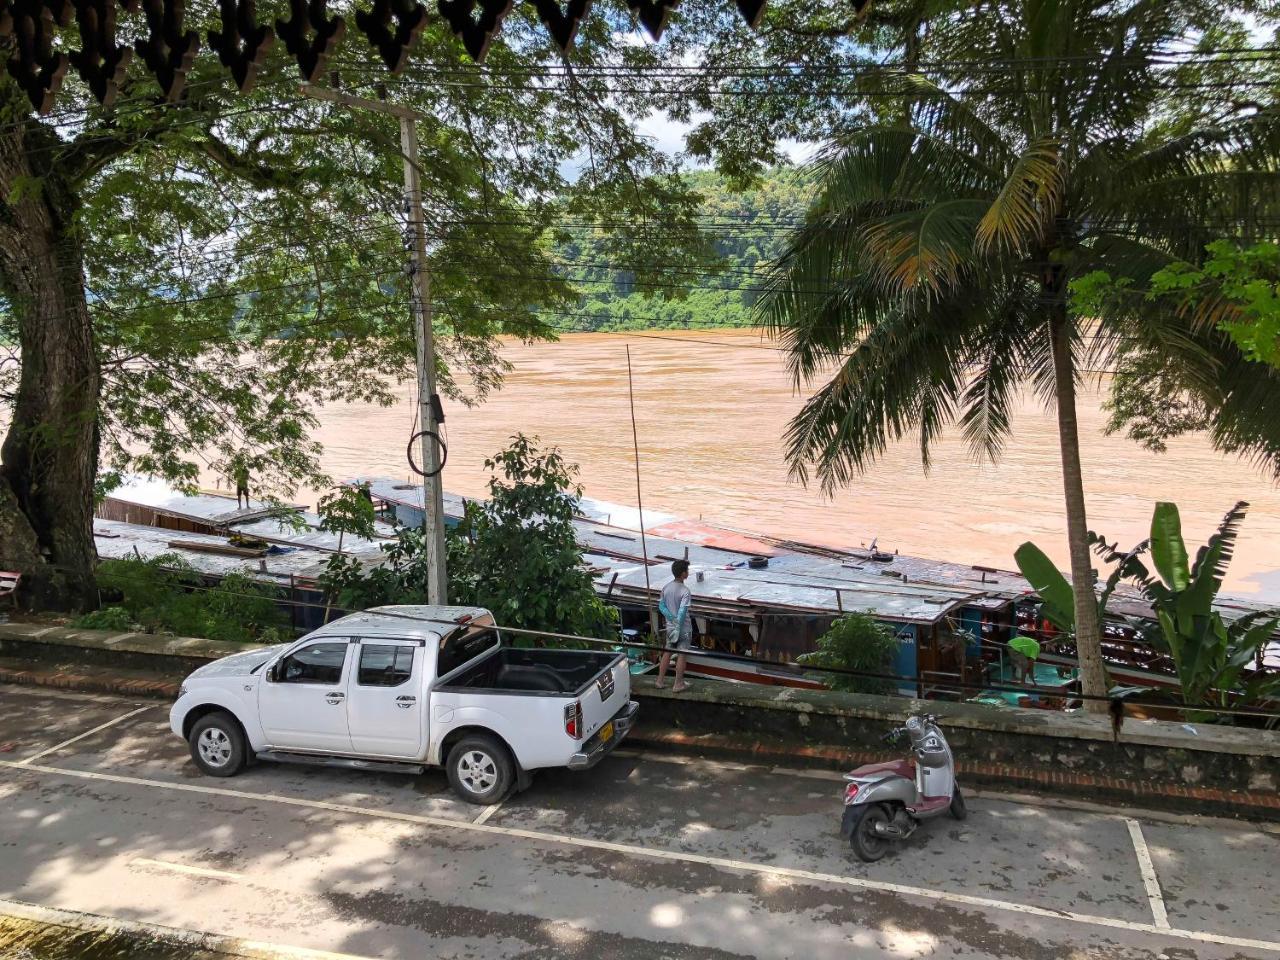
[(1149, 879), (1110, 811), (187, 869), (655, 853), (88, 733), (487, 812)]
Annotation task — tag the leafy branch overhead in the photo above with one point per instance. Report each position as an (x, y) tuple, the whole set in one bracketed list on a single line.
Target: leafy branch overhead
[(1235, 289)]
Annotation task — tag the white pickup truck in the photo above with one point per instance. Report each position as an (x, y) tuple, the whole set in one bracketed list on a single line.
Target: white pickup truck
[(402, 688)]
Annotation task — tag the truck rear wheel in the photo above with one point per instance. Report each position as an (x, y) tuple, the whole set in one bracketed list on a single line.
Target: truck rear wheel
[(217, 745), (480, 769)]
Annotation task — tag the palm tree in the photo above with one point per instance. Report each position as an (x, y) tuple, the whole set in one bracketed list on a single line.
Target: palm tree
[(933, 271)]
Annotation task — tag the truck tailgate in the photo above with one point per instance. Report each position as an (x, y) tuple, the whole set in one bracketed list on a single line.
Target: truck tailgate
[(604, 696)]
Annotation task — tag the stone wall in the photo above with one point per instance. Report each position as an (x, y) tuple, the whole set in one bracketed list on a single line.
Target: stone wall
[(820, 725), (1188, 755)]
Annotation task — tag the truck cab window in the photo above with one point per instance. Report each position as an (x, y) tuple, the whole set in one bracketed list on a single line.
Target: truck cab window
[(384, 665), (317, 663), (463, 646)]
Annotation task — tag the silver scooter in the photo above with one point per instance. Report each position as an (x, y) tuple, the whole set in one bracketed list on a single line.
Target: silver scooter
[(887, 801)]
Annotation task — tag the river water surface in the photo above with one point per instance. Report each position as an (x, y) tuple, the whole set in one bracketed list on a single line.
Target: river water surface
[(712, 408)]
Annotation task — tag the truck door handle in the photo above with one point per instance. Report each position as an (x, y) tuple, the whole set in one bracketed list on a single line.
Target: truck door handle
[(335, 697), (404, 703)]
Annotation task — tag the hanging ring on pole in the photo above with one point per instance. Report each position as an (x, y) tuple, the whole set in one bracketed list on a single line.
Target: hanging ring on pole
[(444, 453)]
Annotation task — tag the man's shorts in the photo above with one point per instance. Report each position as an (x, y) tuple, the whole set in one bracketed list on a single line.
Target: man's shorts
[(679, 643)]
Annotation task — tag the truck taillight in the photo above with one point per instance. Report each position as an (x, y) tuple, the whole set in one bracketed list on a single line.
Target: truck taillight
[(573, 720)]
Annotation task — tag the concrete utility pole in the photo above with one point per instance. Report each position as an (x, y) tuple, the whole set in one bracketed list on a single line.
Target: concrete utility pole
[(430, 413)]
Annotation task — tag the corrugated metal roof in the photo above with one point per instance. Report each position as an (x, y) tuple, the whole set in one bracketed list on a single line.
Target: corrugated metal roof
[(124, 540), (798, 576), (302, 530), (406, 494), (210, 508)]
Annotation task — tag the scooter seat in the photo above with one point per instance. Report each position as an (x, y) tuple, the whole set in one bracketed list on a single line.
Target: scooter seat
[(902, 768)]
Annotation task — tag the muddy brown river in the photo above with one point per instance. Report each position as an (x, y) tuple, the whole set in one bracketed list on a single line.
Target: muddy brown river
[(711, 410)]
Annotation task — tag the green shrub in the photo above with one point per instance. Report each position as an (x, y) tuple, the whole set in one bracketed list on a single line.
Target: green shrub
[(857, 641), (108, 618), (165, 595), (515, 554)]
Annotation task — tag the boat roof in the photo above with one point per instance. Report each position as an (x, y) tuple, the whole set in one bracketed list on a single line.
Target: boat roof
[(800, 578), (202, 507), (285, 524), (122, 541)]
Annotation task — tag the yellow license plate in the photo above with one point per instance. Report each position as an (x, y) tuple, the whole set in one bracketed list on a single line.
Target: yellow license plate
[(606, 732)]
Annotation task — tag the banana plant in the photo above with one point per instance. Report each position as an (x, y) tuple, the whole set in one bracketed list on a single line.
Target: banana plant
[(1210, 654), (1057, 601)]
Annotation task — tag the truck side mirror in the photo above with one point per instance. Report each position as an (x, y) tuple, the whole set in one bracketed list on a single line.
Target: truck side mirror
[(271, 672)]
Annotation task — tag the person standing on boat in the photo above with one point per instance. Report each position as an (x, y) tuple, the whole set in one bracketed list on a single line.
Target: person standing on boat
[(240, 473), (674, 604)]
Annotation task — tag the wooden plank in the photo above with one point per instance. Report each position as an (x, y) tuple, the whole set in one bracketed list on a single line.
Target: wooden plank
[(223, 548)]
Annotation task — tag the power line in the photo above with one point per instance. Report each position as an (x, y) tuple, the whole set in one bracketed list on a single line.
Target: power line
[(436, 76), (842, 67)]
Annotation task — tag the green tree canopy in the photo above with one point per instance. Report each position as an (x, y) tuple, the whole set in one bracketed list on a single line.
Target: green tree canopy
[(1235, 287), (182, 283)]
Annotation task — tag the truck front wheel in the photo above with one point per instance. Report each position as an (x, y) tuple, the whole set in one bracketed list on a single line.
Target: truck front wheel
[(480, 769), (217, 745)]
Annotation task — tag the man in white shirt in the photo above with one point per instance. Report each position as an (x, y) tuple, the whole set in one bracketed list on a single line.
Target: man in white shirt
[(673, 604)]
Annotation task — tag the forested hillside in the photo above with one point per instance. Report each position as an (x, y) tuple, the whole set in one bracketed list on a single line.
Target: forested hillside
[(745, 230)]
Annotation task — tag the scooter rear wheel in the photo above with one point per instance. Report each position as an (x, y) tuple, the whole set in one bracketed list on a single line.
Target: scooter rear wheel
[(869, 845)]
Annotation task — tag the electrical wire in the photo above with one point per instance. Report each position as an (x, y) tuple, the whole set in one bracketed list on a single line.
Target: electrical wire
[(482, 78)]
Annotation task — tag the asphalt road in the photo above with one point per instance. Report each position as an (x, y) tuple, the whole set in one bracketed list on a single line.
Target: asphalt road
[(647, 856)]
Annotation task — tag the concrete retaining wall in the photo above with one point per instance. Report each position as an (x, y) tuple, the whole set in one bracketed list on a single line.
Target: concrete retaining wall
[(1186, 755)]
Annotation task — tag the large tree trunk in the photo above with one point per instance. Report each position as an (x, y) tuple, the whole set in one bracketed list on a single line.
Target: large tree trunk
[(49, 458), (1093, 673)]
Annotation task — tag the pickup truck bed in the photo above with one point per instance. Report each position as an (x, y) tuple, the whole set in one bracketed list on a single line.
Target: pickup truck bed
[(559, 672)]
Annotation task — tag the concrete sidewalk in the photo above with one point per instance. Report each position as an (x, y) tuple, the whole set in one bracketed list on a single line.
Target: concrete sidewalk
[(30, 932)]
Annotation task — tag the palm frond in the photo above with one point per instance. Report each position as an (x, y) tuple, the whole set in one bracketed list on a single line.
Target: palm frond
[(1002, 349), (941, 114), (1028, 201), (905, 372), (925, 249)]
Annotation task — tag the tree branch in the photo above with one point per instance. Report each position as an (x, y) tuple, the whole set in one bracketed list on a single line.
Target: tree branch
[(260, 175)]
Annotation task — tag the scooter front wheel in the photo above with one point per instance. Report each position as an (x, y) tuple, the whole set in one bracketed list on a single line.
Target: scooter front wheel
[(867, 843), (958, 809)]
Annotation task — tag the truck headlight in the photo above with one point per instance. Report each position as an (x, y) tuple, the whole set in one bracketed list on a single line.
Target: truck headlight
[(182, 691)]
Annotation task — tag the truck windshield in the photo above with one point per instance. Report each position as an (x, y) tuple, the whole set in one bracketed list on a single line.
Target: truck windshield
[(463, 646)]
